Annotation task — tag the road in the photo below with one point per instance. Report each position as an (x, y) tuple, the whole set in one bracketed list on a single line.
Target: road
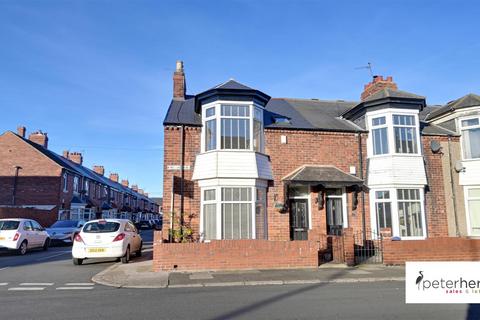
[(65, 291)]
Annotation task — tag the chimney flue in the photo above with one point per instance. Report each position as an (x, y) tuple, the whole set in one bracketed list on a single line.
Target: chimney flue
[(21, 131), (76, 157), (40, 138), (114, 177), (99, 170), (377, 84), (179, 85)]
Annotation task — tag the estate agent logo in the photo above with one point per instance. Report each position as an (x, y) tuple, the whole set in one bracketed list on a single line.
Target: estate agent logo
[(442, 282)]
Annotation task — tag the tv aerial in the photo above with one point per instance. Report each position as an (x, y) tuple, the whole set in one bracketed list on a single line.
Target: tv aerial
[(368, 66)]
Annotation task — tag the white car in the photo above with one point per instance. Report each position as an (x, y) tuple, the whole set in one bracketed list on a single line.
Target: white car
[(22, 234), (107, 238)]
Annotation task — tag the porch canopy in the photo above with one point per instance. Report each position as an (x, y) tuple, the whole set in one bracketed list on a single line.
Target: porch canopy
[(325, 176)]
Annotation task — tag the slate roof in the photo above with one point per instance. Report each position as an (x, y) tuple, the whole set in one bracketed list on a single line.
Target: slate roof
[(81, 170), (329, 176), (232, 84), (302, 114), (469, 100), (390, 93)]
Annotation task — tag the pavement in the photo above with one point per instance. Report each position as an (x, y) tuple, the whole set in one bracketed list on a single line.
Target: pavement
[(140, 275)]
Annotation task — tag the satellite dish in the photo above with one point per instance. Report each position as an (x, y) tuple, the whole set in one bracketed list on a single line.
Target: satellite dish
[(435, 146), (459, 166)]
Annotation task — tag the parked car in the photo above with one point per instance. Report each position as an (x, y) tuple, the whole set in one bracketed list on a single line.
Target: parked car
[(156, 224), (22, 235), (107, 238), (65, 230), (144, 224)]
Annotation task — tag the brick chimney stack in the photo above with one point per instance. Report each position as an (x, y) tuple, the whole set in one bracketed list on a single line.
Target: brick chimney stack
[(135, 187), (65, 154), (76, 157), (378, 83), (99, 170), (114, 177), (140, 191), (40, 138), (179, 85), (21, 131), (125, 183)]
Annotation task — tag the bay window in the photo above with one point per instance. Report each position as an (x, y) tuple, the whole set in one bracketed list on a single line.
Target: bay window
[(401, 209), (232, 127), (233, 213), (393, 133), (470, 129), (405, 130)]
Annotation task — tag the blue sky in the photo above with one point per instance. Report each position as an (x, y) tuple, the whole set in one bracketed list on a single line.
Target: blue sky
[(97, 75)]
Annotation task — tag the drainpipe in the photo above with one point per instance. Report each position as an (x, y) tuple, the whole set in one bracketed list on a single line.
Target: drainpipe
[(360, 164), (172, 202), (15, 179), (457, 232)]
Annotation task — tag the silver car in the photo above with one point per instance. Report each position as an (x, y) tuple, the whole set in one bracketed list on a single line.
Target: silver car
[(65, 230)]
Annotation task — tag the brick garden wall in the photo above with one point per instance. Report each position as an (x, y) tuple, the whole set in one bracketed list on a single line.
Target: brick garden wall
[(45, 217), (431, 249), (234, 255)]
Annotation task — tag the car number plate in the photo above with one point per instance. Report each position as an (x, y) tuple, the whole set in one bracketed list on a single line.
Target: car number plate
[(96, 250)]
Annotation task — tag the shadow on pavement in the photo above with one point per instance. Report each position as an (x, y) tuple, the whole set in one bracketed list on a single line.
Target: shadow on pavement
[(244, 310)]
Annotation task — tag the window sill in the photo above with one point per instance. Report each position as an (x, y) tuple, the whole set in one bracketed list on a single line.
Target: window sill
[(389, 155), (471, 160)]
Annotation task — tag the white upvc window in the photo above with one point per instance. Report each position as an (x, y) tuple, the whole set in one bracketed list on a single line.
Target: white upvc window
[(472, 200), (232, 126), (380, 135), (86, 187), (470, 130), (393, 132), (228, 213), (401, 209), (405, 132)]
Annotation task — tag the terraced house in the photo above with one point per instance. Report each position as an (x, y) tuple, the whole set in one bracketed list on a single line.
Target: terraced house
[(240, 164), (36, 182)]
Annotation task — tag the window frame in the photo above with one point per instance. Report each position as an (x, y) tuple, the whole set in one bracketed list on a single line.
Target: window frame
[(383, 201), (395, 213), (379, 127), (461, 128), (219, 214), (65, 182), (389, 115), (76, 181)]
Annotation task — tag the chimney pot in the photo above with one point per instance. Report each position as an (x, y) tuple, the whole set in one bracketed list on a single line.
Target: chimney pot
[(135, 187), (21, 130), (99, 170), (179, 85), (40, 138), (66, 154)]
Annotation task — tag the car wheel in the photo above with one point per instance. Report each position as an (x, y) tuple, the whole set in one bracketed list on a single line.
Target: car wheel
[(139, 251), (46, 244), (126, 257), (23, 248), (77, 262)]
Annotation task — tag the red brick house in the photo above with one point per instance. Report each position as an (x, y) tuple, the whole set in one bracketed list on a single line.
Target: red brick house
[(35, 182), (242, 165)]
